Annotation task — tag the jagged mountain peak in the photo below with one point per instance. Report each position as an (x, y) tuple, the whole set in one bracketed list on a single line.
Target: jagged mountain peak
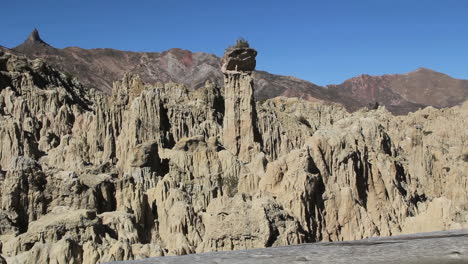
[(34, 36), (34, 40)]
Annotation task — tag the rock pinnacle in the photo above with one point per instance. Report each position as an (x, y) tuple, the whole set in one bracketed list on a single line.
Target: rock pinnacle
[(35, 37), (239, 124), (32, 43)]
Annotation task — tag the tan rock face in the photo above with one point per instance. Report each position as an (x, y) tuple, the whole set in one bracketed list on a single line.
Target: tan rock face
[(159, 170), (240, 132)]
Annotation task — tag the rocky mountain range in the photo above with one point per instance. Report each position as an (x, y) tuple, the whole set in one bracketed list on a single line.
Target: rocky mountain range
[(99, 68), (162, 168)]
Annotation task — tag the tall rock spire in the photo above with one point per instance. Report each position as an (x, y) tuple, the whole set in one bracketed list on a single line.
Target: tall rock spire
[(33, 44), (34, 37), (239, 124)]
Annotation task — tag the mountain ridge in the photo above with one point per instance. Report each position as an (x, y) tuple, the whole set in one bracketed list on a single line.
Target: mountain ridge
[(100, 67)]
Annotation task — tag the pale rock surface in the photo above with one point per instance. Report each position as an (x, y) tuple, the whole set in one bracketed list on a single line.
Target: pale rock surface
[(240, 132), (156, 169), (285, 123), (248, 222)]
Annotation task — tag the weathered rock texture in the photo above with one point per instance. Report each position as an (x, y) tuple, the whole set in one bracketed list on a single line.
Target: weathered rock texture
[(152, 169), (240, 133)]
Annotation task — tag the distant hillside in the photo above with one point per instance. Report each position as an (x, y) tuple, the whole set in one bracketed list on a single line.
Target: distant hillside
[(99, 68), (402, 93)]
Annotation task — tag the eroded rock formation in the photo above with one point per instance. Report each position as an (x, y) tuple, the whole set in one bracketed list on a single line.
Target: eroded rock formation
[(240, 133), (157, 169)]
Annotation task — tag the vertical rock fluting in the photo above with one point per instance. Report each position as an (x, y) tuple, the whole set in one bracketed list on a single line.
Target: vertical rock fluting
[(239, 124), (88, 178)]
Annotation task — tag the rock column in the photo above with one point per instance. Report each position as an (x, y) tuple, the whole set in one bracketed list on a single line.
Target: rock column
[(239, 124)]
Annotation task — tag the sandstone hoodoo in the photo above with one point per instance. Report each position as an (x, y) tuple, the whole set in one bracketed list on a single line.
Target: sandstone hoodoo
[(159, 169), (240, 134)]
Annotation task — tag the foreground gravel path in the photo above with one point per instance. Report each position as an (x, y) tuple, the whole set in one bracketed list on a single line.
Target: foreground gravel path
[(423, 248)]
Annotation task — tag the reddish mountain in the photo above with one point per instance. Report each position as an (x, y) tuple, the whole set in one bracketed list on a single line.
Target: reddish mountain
[(99, 68), (402, 93)]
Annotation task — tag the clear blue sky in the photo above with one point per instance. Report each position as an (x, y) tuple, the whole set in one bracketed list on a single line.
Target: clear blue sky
[(320, 41)]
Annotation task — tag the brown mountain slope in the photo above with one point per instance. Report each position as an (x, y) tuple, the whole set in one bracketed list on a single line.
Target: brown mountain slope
[(429, 87), (402, 93), (99, 68)]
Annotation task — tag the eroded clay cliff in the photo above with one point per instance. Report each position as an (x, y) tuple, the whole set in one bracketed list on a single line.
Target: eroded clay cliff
[(157, 169)]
